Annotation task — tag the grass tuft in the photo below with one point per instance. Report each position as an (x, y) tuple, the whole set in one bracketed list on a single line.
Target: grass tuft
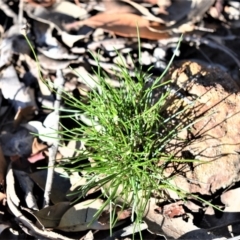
[(126, 132)]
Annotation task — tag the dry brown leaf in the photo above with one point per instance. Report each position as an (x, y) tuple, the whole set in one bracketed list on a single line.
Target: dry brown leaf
[(144, 12), (116, 6), (123, 24), (24, 115)]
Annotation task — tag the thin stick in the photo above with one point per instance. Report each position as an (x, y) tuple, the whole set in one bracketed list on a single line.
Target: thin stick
[(20, 15), (53, 149)]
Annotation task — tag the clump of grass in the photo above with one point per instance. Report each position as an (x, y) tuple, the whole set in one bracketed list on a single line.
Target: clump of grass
[(125, 132)]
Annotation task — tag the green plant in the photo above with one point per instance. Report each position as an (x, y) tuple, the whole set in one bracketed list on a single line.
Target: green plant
[(126, 132)]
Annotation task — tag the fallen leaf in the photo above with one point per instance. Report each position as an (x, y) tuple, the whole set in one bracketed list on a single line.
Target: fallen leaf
[(132, 229), (70, 9), (59, 187), (80, 217), (115, 6), (173, 209), (162, 225), (70, 150), (50, 216), (144, 11), (123, 24), (14, 203), (47, 134), (88, 236), (77, 183)]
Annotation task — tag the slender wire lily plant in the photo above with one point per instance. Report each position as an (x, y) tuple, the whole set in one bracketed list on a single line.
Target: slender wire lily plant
[(125, 132)]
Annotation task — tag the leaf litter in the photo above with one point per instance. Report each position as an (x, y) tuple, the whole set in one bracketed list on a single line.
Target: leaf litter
[(62, 33)]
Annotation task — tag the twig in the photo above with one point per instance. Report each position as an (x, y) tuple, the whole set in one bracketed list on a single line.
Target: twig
[(20, 15), (8, 11), (53, 149)]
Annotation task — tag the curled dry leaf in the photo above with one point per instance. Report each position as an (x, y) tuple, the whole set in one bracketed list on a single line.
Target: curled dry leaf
[(123, 24), (46, 133), (115, 6), (69, 9), (158, 223), (123, 214), (13, 204), (132, 229)]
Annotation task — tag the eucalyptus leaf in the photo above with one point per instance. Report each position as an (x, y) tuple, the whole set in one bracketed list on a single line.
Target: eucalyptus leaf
[(81, 217), (60, 184), (51, 216)]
